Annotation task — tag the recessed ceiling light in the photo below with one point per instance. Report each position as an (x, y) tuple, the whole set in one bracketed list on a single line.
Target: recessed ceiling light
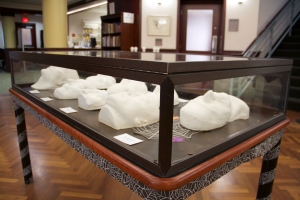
[(85, 7)]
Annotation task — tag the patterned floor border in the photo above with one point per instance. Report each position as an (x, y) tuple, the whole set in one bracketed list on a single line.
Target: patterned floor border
[(138, 187)]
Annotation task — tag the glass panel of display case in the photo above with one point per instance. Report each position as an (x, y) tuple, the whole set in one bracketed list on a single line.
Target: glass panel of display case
[(209, 114), (26, 72), (112, 108), (125, 102)]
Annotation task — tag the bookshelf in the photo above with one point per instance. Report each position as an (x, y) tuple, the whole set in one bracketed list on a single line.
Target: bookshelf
[(115, 34)]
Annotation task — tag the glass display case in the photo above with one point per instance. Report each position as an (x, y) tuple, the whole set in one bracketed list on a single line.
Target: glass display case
[(184, 109)]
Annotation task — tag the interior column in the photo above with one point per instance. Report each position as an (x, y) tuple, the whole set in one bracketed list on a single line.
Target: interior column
[(55, 23), (9, 31)]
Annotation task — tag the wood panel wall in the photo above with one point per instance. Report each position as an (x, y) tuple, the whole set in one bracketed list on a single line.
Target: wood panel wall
[(132, 6)]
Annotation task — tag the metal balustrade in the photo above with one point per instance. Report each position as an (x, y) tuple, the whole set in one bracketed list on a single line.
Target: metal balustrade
[(275, 32)]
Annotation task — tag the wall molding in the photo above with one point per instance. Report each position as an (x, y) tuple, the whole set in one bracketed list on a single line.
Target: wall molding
[(21, 6)]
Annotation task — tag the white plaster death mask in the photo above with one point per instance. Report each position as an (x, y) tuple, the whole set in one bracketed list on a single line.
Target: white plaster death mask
[(53, 77), (92, 99), (72, 89), (101, 81), (239, 109), (212, 110), (130, 86), (123, 110)]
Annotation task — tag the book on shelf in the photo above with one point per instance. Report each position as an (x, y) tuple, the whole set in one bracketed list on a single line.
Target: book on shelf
[(111, 41), (108, 28)]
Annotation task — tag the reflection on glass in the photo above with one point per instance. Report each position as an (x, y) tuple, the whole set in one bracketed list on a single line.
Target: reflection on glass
[(199, 30), (259, 90), (198, 58), (263, 94), (145, 56)]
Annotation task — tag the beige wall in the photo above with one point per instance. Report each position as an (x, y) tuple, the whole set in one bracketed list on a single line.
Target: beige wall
[(267, 10), (253, 16), (247, 13), (151, 7)]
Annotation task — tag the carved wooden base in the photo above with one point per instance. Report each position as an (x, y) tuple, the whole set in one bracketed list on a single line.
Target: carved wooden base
[(23, 143), (267, 174)]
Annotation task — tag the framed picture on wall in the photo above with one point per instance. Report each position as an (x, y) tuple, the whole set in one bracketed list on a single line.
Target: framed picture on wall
[(159, 25)]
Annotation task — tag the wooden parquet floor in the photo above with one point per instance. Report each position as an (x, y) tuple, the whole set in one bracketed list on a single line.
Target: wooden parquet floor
[(59, 172)]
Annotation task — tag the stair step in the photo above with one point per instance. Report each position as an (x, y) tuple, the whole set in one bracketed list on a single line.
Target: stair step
[(288, 53), (296, 71), (296, 62), (289, 45), (292, 39), (294, 92), (290, 48), (296, 32), (295, 81), (293, 104), (297, 25)]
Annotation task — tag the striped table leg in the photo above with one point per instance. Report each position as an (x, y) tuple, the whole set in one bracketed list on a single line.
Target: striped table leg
[(23, 143), (267, 174)]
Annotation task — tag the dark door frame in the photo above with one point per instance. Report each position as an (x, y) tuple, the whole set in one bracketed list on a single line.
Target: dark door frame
[(180, 26), (33, 32)]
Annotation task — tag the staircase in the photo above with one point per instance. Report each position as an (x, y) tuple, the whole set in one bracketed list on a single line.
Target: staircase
[(290, 48)]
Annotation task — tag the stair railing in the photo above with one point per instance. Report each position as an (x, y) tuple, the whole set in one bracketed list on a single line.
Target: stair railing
[(267, 42)]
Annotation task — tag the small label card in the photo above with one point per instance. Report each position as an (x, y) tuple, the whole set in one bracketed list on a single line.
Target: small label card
[(46, 99), (177, 139), (128, 18), (111, 8), (128, 139), (68, 110), (34, 91)]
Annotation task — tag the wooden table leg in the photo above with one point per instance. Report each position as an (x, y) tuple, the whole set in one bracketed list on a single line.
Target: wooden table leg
[(267, 174), (23, 143)]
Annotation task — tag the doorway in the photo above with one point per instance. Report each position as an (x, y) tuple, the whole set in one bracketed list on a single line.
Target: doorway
[(25, 35), (200, 28)]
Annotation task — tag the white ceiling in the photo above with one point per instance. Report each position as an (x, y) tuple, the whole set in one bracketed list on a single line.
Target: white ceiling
[(99, 9)]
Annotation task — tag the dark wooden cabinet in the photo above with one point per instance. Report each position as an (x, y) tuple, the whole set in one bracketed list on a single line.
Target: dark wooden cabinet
[(117, 35)]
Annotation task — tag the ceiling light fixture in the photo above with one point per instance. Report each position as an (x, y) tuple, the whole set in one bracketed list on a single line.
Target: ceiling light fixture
[(241, 1), (85, 7)]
